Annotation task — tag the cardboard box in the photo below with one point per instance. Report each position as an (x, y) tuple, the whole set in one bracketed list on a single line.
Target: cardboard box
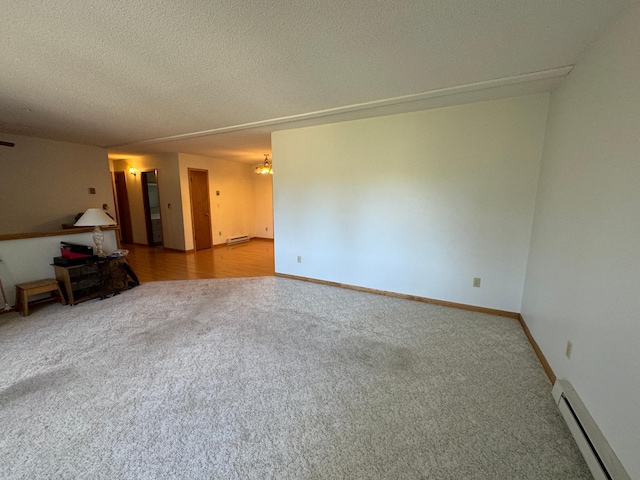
[(75, 248)]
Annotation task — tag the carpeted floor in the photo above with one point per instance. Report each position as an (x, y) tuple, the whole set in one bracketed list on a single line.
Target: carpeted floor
[(274, 378)]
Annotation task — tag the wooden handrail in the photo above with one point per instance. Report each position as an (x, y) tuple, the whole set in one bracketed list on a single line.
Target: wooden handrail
[(68, 231)]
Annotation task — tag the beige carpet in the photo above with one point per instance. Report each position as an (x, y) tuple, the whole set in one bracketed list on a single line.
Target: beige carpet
[(273, 378)]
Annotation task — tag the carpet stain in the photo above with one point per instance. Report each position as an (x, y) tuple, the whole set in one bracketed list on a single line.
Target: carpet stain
[(39, 384)]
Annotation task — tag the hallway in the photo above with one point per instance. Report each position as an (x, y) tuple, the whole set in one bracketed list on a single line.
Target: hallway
[(251, 259)]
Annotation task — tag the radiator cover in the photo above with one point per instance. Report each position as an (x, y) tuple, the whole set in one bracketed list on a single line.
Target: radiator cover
[(598, 454), (241, 239)]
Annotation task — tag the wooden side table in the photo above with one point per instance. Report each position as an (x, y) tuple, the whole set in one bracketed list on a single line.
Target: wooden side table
[(25, 290), (92, 280)]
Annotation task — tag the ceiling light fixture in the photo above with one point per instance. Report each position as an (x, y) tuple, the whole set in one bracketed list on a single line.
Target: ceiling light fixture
[(265, 167)]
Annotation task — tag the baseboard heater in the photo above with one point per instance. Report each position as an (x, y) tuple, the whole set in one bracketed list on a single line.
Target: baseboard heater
[(234, 240), (600, 458)]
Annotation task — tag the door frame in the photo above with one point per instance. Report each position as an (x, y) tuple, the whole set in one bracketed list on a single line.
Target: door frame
[(193, 220), (147, 207), (125, 224)]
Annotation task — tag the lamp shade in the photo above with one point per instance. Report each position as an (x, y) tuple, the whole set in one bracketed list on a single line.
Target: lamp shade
[(94, 217)]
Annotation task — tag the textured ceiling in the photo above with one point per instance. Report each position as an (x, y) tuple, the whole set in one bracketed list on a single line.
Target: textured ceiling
[(126, 73)]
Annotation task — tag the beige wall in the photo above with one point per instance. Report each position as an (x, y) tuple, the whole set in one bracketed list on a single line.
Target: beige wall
[(169, 192), (243, 206), (44, 183), (171, 207), (232, 211), (263, 205)]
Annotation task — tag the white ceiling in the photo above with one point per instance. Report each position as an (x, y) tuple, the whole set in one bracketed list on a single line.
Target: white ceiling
[(215, 78)]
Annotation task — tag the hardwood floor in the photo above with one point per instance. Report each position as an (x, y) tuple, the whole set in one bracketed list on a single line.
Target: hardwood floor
[(251, 259)]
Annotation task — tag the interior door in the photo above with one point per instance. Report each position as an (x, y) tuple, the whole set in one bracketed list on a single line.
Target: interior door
[(200, 210), (123, 208)]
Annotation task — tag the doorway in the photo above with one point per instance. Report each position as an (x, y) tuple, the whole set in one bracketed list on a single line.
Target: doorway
[(123, 210), (199, 193), (151, 202)]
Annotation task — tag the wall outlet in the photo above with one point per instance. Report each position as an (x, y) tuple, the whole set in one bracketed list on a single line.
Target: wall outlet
[(569, 349), (219, 234), (476, 282), (266, 229), (299, 259)]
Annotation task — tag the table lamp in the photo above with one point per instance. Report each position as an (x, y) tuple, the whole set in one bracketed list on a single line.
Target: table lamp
[(95, 217)]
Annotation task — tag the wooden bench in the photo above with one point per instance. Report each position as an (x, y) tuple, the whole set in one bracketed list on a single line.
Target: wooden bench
[(27, 289)]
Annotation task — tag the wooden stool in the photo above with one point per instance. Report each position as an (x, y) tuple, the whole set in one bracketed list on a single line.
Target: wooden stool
[(25, 290)]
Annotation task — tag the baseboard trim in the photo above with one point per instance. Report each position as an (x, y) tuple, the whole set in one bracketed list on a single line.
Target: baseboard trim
[(433, 301), (225, 245), (536, 348), (264, 239)]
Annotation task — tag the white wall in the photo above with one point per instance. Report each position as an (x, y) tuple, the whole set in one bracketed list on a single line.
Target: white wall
[(232, 212), (34, 174), (28, 259), (583, 277), (418, 203), (171, 206)]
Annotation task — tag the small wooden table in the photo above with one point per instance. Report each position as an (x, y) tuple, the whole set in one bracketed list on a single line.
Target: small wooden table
[(95, 279), (25, 290)]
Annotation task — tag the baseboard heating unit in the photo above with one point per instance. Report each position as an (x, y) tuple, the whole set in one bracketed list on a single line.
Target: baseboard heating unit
[(600, 458), (234, 240)]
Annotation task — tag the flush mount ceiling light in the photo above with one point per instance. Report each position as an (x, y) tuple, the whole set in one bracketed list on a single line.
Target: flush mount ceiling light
[(265, 167)]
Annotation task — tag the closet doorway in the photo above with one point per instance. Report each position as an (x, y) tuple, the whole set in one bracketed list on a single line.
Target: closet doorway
[(199, 193), (151, 201)]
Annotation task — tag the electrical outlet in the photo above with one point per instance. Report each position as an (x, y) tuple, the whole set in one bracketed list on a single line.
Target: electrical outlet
[(569, 349), (266, 229), (219, 234), (299, 259), (476, 282)]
